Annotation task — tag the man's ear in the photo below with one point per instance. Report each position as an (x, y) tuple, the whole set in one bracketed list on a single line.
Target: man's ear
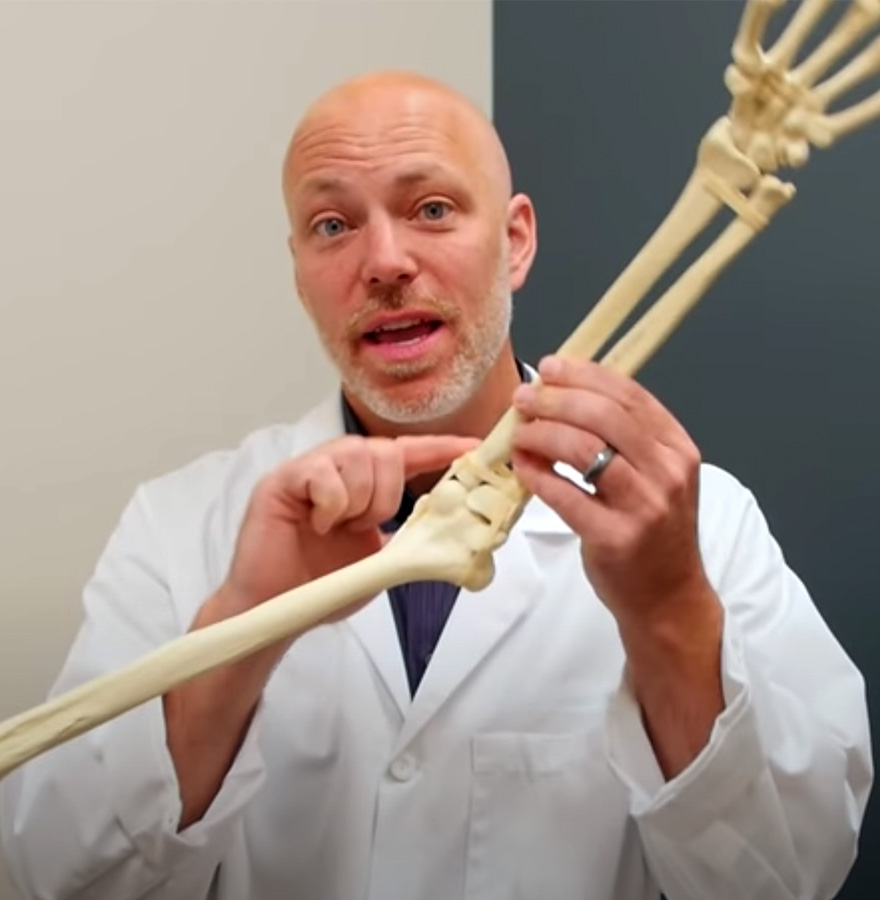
[(522, 235)]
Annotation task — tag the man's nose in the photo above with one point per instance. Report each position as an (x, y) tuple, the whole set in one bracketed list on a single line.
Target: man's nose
[(387, 259)]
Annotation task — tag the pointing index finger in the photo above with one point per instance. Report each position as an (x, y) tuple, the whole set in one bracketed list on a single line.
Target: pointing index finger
[(429, 453)]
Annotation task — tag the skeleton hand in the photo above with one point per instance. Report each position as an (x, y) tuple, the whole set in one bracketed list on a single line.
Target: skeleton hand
[(778, 108)]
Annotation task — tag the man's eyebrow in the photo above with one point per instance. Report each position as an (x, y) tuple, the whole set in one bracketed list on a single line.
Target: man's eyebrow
[(412, 177), (323, 184), (418, 174)]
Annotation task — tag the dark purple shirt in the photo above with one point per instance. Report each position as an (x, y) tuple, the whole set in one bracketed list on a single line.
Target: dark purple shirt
[(421, 608)]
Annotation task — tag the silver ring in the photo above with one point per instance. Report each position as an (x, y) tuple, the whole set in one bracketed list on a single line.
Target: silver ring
[(600, 463)]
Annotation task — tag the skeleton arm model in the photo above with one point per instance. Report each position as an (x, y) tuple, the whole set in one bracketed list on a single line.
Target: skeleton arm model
[(776, 114)]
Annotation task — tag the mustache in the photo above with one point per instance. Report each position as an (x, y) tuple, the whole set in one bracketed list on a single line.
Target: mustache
[(397, 299)]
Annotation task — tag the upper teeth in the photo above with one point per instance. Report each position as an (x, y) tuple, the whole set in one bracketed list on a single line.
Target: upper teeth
[(396, 326)]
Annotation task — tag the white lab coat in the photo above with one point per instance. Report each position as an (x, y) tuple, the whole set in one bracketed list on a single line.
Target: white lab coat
[(520, 771)]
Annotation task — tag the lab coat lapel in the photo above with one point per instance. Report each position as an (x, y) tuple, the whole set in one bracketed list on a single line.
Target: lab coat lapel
[(373, 624), (481, 621), (374, 627)]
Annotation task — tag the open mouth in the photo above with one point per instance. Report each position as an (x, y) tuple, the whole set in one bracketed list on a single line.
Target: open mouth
[(403, 332)]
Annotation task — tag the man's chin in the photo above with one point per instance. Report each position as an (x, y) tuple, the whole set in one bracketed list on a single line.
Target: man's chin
[(404, 382), (413, 401)]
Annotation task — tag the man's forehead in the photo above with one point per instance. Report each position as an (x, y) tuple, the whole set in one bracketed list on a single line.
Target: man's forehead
[(401, 135), (395, 174), (388, 99)]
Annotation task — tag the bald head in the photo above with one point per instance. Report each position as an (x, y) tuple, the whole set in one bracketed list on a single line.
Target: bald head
[(387, 114), (399, 197)]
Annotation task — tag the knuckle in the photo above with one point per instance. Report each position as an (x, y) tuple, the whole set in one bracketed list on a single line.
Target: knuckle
[(632, 392), (560, 405), (320, 467), (606, 410), (546, 401), (657, 510), (527, 435), (570, 406), (693, 456), (683, 475), (680, 481), (390, 465), (386, 449), (572, 369), (348, 448), (268, 483)]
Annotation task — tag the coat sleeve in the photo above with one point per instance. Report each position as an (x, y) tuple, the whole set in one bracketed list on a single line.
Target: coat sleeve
[(773, 805), (96, 817)]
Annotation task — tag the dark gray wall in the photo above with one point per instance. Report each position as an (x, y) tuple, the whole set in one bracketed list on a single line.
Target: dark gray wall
[(601, 105)]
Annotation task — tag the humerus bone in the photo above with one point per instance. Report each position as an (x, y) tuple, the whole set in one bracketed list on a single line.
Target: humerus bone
[(776, 113)]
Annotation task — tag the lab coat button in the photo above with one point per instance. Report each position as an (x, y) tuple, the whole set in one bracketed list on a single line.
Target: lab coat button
[(403, 768)]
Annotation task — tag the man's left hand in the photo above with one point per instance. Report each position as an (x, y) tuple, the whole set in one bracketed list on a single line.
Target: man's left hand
[(639, 530), (639, 537)]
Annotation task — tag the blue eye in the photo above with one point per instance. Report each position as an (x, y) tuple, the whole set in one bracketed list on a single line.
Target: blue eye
[(330, 227), (435, 210)]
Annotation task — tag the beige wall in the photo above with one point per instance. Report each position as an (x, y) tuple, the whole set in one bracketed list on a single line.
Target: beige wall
[(146, 301)]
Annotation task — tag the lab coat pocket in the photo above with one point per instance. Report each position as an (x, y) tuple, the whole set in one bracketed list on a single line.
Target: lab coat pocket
[(533, 798)]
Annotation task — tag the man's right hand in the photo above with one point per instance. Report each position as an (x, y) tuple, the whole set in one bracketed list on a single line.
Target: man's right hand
[(322, 511), (309, 516)]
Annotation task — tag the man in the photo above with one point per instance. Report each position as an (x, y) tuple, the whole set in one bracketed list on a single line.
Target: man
[(644, 699)]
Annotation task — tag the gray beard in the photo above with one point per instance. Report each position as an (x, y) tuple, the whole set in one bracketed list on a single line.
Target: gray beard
[(467, 371)]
